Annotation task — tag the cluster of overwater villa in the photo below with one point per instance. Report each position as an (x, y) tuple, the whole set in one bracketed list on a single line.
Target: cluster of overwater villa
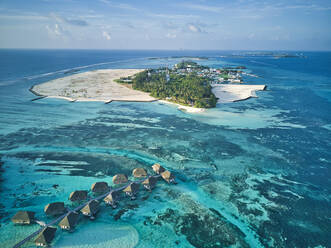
[(68, 218)]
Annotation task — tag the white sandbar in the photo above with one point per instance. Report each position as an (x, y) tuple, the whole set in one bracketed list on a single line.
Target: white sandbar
[(96, 85), (187, 109), (235, 92)]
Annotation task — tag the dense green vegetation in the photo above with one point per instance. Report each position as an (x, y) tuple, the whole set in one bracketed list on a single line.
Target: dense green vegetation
[(186, 89), (225, 76), (188, 83), (185, 64)]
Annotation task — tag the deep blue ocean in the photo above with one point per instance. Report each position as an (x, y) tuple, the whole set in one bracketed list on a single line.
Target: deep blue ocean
[(254, 173)]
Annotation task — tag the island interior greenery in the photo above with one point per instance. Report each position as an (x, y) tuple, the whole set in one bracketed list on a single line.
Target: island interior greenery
[(184, 84)]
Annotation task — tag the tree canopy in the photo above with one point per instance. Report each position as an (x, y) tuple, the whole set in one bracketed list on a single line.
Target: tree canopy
[(188, 89)]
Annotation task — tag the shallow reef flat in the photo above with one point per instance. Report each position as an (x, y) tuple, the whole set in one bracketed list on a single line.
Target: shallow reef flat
[(250, 174), (96, 85), (224, 185)]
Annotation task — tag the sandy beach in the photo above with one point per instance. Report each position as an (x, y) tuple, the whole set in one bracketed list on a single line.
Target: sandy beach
[(96, 85), (235, 92), (187, 109), (99, 85)]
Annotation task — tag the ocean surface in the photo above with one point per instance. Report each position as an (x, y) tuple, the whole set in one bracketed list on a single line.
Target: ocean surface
[(254, 173)]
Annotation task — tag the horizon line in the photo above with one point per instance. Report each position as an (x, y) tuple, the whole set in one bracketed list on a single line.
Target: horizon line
[(159, 49)]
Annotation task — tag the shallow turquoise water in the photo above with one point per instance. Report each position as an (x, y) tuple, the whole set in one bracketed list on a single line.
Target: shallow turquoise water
[(251, 174)]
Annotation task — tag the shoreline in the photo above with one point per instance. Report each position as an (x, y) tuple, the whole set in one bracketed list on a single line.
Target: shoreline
[(183, 108), (90, 99), (99, 86)]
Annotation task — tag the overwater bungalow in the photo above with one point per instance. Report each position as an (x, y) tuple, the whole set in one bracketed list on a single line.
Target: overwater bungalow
[(120, 179), (150, 183), (168, 177), (112, 198), (46, 236), (100, 187), (78, 195), (158, 169), (132, 189), (139, 172), (55, 208), (23, 217), (69, 221), (91, 208)]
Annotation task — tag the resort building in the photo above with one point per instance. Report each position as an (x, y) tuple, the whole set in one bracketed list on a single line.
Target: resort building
[(46, 236), (100, 187), (69, 221), (91, 208), (132, 189), (149, 183), (23, 217), (139, 172), (168, 176), (120, 179), (112, 198), (157, 168), (78, 195), (55, 208)]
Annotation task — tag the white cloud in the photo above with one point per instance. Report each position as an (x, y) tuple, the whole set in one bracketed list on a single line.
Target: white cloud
[(171, 36), (106, 35), (55, 30), (123, 6), (195, 28), (248, 16), (76, 21), (170, 16), (56, 17), (201, 7), (24, 17)]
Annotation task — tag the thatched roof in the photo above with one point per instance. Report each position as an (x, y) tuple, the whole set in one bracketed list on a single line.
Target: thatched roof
[(55, 208), (132, 188), (157, 168), (112, 196), (91, 208), (46, 236), (69, 221), (78, 195), (120, 178), (150, 181), (139, 172), (100, 187), (167, 175), (23, 217)]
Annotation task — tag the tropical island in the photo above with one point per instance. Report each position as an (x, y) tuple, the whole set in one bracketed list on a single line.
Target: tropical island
[(178, 85), (191, 86)]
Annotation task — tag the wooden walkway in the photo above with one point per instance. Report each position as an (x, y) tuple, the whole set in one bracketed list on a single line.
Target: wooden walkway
[(76, 209)]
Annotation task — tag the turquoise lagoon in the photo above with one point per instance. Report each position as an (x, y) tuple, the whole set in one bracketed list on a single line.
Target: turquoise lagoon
[(251, 174)]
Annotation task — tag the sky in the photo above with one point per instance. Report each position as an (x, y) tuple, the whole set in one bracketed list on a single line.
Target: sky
[(168, 25)]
